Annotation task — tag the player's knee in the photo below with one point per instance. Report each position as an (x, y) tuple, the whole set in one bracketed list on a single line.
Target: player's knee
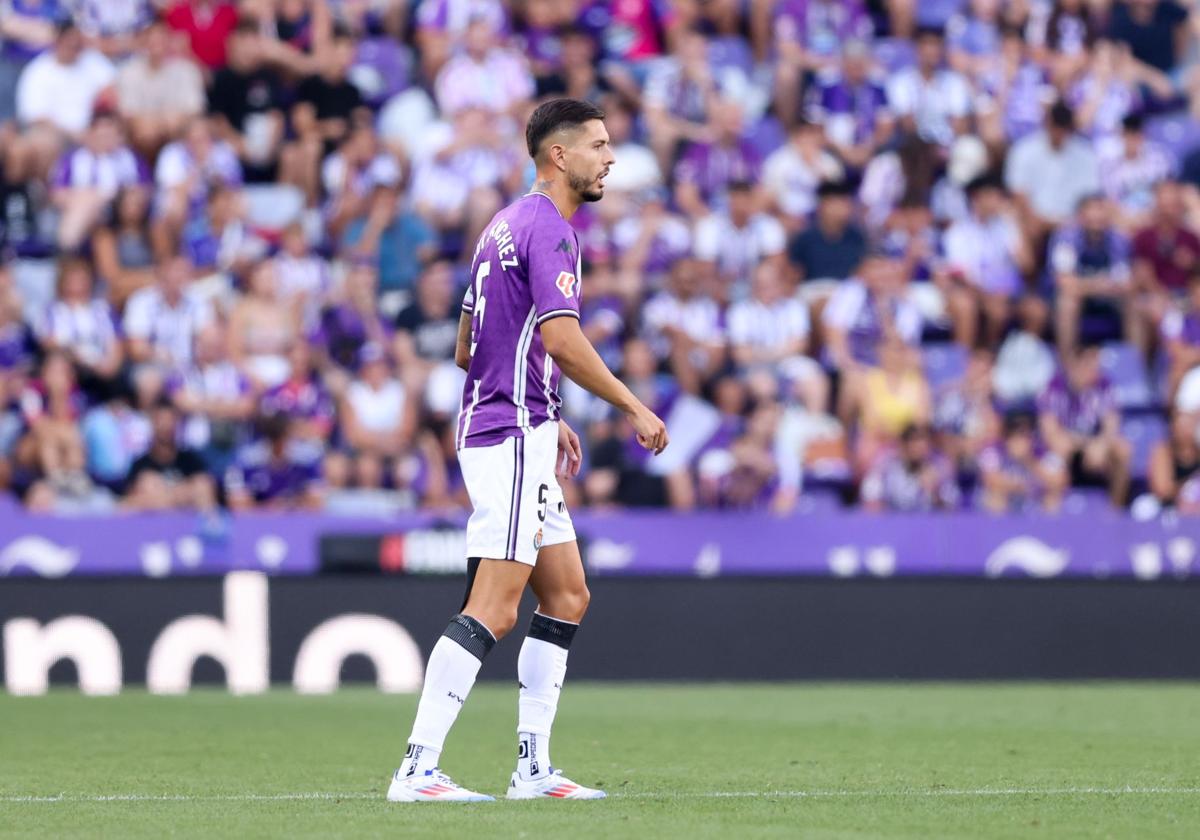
[(503, 621), (570, 605)]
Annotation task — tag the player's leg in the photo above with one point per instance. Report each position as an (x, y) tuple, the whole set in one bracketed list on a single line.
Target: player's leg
[(562, 593), (495, 480)]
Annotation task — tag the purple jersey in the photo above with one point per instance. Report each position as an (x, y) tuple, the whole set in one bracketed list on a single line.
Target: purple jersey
[(526, 271), (1081, 412)]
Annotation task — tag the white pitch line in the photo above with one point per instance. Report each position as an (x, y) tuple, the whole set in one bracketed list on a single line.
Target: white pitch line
[(716, 794)]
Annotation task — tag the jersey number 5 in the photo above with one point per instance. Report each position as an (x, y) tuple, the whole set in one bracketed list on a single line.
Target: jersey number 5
[(485, 268)]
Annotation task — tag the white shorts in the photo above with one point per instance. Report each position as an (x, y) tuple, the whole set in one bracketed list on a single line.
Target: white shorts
[(518, 505)]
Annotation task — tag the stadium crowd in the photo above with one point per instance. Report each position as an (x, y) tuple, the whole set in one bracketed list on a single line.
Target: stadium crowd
[(911, 256)]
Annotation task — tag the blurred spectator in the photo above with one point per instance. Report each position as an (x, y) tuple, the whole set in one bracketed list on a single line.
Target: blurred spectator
[(261, 330), (915, 477), (648, 242), (427, 329), (1165, 253), (81, 327), (273, 473), (326, 109), (1130, 171), (122, 246), (246, 100), (1013, 92), (442, 23), (207, 24), (807, 36), (1175, 464), (1081, 423), (770, 331), (27, 27), (894, 395), (1155, 30), (458, 181), (216, 400), (738, 239), (793, 173), (1089, 264), (707, 169), (1025, 362), (1063, 34), (684, 326), (853, 108), (864, 313), (57, 93), (1019, 475), (378, 417), (168, 477), (348, 325), (187, 172), (157, 92), (161, 321), (113, 25), (1050, 171), (930, 99), (90, 176), (52, 406), (985, 258), (964, 413), (831, 248), (484, 75), (304, 400), (679, 95), (303, 276), (360, 182), (1180, 334)]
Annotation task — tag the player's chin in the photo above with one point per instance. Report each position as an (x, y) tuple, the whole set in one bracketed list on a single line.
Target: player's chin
[(593, 193)]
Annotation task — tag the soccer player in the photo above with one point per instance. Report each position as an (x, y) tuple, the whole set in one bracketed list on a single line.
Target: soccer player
[(519, 332)]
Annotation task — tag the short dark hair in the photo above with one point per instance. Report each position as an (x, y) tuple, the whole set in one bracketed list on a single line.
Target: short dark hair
[(557, 114)]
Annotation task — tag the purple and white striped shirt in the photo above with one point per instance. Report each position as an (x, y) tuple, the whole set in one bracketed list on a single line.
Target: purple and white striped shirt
[(83, 168), (87, 328), (494, 84)]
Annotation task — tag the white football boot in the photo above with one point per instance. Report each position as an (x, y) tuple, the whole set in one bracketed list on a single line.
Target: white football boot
[(431, 786), (553, 786)]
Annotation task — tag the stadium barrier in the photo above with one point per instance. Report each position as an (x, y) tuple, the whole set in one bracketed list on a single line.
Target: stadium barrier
[(1100, 544), (248, 630)]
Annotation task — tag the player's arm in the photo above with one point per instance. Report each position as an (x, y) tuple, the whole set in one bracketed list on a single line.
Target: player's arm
[(565, 342), (462, 349)]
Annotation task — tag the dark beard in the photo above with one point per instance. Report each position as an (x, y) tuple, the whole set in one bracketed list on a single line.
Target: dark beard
[(583, 189)]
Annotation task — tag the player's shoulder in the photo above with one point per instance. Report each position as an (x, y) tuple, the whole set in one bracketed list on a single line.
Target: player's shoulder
[(536, 214)]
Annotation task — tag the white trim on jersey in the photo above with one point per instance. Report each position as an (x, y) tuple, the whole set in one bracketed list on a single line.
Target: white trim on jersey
[(521, 371), (547, 372), (554, 313), (470, 410)]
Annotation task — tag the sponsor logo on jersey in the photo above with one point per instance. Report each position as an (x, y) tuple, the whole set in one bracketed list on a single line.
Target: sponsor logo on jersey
[(566, 284), (564, 246)]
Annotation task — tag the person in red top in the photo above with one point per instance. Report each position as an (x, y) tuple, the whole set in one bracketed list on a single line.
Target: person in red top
[(1164, 255), (208, 24)]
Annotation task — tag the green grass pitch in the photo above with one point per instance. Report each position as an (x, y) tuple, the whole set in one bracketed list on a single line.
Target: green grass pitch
[(679, 761)]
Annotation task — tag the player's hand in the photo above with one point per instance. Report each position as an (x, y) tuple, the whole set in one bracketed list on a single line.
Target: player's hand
[(651, 431), (570, 453)]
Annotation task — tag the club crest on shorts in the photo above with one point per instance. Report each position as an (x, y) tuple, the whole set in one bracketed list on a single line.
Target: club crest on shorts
[(566, 284), (537, 539)]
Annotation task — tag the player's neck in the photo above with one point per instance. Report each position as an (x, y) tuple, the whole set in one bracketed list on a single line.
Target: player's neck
[(558, 192)]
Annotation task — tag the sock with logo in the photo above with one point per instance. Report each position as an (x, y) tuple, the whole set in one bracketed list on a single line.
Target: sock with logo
[(541, 669), (448, 679)]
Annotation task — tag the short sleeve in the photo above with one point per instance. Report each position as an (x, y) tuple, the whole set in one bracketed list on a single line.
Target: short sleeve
[(552, 265)]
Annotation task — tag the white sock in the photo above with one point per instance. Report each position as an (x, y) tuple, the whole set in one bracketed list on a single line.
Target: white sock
[(451, 671), (541, 669)]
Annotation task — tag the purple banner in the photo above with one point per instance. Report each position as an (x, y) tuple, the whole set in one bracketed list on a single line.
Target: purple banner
[(835, 544)]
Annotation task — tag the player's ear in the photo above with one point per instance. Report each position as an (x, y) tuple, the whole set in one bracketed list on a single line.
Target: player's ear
[(558, 155)]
